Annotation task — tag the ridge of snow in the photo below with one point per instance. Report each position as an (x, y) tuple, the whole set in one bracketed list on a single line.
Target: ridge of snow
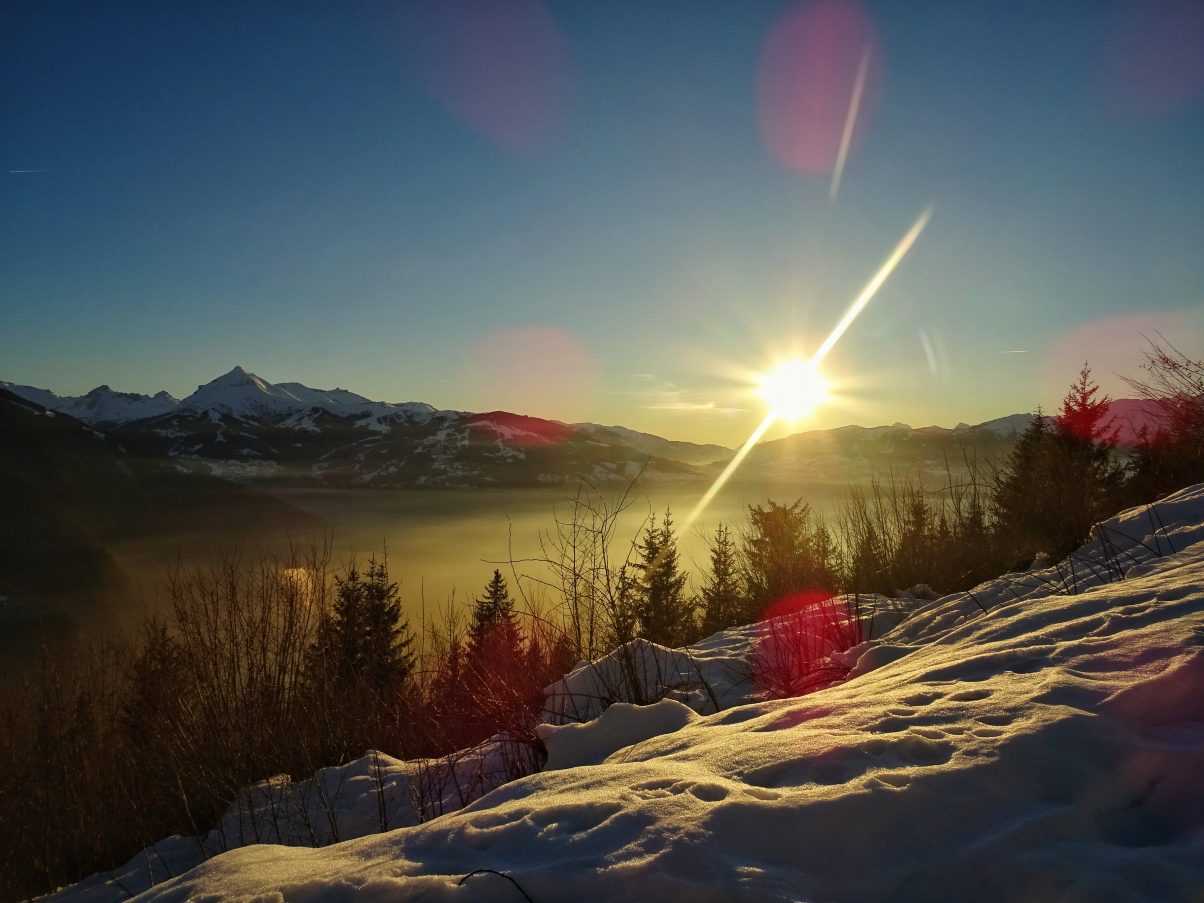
[(1040, 737)]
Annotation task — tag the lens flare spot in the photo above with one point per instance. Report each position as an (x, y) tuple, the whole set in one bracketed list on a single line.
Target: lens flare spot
[(505, 70), (1152, 58), (793, 389), (818, 84)]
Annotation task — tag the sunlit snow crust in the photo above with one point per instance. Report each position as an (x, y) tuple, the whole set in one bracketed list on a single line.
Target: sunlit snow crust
[(1041, 738)]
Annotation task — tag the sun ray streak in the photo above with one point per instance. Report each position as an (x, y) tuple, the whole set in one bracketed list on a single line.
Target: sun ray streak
[(871, 287), (846, 137), (858, 305), (732, 465)]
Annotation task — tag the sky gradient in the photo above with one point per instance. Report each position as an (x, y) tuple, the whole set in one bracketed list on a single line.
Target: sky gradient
[(606, 212)]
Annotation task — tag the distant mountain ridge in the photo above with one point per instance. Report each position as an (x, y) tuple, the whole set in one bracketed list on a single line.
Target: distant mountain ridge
[(242, 426), (102, 406)]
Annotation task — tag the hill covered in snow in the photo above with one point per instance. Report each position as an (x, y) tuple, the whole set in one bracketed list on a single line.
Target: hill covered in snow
[(1038, 738)]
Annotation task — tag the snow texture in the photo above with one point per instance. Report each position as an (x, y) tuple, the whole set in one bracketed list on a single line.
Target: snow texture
[(1041, 738)]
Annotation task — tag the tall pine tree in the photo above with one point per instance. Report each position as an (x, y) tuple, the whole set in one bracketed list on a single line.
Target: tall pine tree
[(1085, 475), (1059, 479), (722, 595), (497, 691), (364, 643), (664, 613), (782, 555), (494, 639)]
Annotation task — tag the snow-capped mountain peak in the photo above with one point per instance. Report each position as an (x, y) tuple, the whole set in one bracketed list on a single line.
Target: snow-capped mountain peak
[(241, 393)]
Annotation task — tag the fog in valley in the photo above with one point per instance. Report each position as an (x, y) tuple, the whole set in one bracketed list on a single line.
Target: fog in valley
[(444, 543)]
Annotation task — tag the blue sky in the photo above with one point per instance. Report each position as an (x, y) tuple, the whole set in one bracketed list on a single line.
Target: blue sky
[(579, 211)]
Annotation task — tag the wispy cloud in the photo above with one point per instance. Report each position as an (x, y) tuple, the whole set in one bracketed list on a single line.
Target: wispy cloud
[(1015, 351), (671, 398), (19, 172), (682, 406)]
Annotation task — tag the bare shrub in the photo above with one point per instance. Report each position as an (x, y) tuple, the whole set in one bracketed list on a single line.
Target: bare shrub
[(797, 638)]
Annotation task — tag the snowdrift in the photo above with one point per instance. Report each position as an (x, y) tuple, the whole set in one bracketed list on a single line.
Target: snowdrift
[(1040, 738)]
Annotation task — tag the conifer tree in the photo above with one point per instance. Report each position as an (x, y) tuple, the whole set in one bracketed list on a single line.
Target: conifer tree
[(364, 643), (1084, 476), (1016, 501), (494, 639), (721, 596), (360, 662), (1082, 412), (496, 682), (1059, 479), (664, 613), (780, 556)]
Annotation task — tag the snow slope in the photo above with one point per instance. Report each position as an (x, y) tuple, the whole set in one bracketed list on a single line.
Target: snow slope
[(1041, 738), (100, 406)]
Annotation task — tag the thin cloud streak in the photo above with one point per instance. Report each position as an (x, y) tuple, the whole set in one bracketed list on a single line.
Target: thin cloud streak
[(673, 399)]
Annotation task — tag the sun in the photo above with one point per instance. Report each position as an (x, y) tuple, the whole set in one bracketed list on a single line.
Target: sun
[(793, 389)]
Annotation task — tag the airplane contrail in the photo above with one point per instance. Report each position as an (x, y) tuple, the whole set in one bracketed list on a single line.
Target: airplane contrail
[(13, 172)]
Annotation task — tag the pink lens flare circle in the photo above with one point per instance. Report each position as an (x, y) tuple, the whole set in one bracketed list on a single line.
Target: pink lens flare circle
[(797, 637), (807, 83), (504, 70)]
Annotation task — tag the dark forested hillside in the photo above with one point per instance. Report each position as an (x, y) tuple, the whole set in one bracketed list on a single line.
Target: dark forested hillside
[(70, 493)]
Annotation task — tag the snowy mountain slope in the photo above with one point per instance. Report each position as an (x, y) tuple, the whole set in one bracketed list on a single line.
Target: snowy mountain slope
[(243, 394), (1038, 739), (100, 407), (239, 425), (1011, 425), (687, 452)]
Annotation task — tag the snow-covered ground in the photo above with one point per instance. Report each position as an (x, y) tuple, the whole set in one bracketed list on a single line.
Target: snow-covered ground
[(1041, 738)]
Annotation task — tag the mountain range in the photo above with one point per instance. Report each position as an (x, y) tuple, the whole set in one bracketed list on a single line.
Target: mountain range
[(244, 427)]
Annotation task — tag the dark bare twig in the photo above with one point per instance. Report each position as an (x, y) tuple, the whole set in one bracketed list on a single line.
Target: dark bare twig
[(476, 872)]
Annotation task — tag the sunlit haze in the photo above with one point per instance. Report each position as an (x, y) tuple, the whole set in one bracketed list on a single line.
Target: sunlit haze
[(601, 212)]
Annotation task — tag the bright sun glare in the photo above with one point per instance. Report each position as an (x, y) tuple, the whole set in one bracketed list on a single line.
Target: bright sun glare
[(793, 389)]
